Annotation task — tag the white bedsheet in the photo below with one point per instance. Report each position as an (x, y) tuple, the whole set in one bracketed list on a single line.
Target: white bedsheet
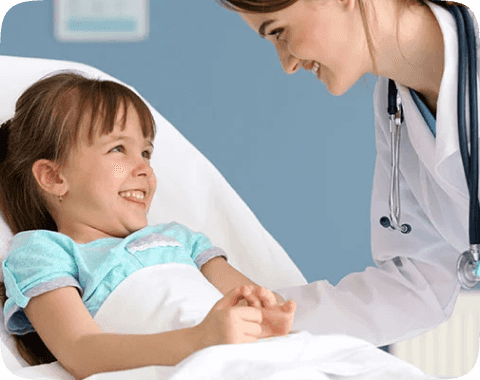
[(171, 296)]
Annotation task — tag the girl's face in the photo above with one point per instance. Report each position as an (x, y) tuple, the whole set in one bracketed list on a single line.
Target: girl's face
[(110, 183), (323, 34)]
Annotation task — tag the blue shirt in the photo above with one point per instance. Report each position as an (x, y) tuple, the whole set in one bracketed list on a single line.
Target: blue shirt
[(41, 261), (426, 113)]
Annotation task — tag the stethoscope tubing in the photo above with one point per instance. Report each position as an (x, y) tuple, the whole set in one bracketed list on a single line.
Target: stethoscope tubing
[(467, 48)]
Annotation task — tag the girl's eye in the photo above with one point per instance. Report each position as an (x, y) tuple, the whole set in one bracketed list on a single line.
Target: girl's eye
[(276, 32), (119, 148), (147, 154)]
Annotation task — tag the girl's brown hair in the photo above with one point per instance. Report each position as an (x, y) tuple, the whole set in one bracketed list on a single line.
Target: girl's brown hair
[(46, 124), (268, 6)]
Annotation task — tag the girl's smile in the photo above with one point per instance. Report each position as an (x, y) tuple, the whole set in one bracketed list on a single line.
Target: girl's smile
[(135, 196)]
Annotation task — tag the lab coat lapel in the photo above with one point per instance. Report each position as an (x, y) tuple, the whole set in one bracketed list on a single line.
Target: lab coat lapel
[(419, 134)]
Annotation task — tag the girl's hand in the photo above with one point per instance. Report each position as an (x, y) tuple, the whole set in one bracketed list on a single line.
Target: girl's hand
[(229, 323), (277, 319)]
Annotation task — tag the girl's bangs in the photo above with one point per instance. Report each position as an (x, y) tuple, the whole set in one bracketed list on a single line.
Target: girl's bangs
[(105, 104)]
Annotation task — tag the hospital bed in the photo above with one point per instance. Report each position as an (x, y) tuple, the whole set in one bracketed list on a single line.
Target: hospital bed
[(192, 192)]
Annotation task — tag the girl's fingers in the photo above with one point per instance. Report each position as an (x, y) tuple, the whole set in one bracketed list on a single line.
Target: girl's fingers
[(233, 297), (252, 300), (251, 329), (249, 314), (267, 298), (246, 293)]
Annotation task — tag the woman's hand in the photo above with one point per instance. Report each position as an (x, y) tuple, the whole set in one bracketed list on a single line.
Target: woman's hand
[(230, 323), (277, 318), (277, 315)]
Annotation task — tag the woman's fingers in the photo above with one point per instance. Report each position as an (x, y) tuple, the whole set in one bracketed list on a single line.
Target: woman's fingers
[(257, 316), (259, 298), (289, 307)]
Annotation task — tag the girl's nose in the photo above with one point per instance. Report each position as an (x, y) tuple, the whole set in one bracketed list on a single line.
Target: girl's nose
[(143, 169)]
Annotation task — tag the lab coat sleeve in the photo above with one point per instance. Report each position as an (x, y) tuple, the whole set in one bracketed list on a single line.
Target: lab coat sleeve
[(414, 286)]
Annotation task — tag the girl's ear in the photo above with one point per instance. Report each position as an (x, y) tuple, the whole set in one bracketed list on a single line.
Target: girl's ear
[(49, 177)]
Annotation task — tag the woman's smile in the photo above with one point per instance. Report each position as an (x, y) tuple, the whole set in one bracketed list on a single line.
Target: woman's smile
[(316, 69)]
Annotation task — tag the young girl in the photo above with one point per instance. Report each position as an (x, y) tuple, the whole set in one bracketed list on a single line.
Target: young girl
[(75, 186)]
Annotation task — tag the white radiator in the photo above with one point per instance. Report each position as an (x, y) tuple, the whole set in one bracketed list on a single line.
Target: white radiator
[(451, 350)]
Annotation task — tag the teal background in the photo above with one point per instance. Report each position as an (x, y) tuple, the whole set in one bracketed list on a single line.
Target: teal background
[(301, 158)]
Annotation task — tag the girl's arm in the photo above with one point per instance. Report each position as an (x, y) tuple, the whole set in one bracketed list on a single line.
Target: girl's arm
[(72, 336), (225, 277)]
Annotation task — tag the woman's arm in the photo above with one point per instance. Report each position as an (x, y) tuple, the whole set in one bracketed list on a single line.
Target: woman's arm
[(68, 330)]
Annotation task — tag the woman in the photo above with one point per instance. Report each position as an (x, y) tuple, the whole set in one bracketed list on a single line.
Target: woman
[(414, 42)]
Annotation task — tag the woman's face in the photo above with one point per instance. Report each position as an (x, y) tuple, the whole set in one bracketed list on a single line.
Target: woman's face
[(323, 34)]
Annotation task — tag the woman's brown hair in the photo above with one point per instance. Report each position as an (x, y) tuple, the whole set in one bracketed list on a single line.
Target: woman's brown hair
[(268, 6), (46, 124)]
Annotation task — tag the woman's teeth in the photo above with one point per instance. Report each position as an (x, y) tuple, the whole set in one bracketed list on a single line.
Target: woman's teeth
[(132, 193), (315, 68)]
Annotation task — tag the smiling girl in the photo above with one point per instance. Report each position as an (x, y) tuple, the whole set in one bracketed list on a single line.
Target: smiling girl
[(76, 184)]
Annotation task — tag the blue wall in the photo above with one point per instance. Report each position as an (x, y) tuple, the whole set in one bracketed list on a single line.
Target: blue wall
[(300, 158)]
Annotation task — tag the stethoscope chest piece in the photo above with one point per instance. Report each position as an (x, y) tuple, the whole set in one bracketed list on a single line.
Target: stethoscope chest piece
[(467, 268)]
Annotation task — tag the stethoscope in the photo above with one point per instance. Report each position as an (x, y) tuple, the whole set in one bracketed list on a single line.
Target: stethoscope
[(468, 269)]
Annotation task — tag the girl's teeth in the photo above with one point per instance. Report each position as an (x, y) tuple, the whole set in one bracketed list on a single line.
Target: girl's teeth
[(134, 194), (315, 68)]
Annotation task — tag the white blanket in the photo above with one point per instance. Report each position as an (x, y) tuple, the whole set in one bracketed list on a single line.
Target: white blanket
[(173, 296)]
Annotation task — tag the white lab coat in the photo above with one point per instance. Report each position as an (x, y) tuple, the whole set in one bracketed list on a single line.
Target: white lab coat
[(405, 297)]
